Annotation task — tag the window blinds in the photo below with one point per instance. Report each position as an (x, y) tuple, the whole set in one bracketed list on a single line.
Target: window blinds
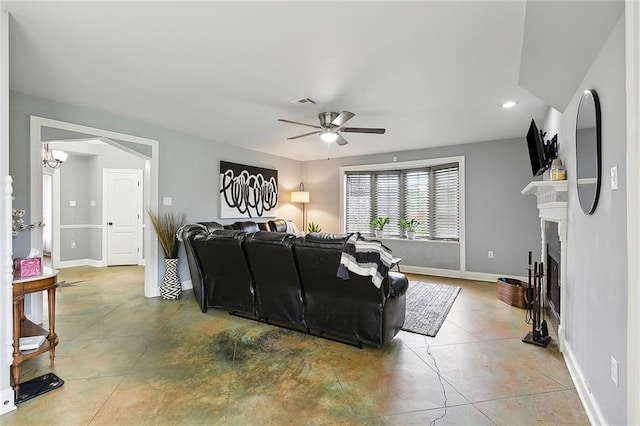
[(358, 202), (429, 195), (446, 211), (417, 199)]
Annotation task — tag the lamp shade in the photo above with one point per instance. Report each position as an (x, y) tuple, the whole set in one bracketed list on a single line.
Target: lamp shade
[(58, 155), (300, 197)]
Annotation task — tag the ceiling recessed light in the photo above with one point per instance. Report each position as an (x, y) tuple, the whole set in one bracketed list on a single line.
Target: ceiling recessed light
[(509, 104)]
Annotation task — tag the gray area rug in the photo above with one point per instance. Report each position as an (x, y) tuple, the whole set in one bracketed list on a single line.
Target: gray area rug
[(427, 306)]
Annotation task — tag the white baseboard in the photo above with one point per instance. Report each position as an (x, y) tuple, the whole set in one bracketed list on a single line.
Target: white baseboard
[(72, 263), (96, 263), (8, 404), (81, 262), (484, 276), (453, 273), (186, 285), (582, 387), (449, 273)]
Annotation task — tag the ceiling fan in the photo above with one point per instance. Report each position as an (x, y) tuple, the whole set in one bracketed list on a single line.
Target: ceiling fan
[(330, 125)]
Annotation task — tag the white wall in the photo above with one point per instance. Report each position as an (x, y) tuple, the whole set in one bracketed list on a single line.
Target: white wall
[(596, 317)]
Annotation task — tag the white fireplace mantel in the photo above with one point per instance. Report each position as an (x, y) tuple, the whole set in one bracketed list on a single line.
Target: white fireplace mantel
[(552, 206), (552, 198)]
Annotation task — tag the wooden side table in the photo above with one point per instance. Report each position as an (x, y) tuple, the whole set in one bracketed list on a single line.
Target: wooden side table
[(22, 327)]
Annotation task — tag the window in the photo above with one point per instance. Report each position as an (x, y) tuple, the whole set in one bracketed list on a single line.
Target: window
[(431, 195)]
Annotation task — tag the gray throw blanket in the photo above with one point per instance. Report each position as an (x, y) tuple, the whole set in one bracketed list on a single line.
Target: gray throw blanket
[(366, 258)]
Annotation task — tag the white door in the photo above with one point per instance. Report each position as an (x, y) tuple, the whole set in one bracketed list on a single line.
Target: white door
[(123, 212)]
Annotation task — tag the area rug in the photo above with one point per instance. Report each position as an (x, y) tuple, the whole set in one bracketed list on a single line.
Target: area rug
[(427, 306)]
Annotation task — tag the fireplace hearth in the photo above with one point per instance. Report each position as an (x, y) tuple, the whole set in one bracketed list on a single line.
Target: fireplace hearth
[(552, 210)]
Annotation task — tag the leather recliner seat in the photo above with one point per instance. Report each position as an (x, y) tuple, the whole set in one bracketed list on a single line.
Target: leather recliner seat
[(223, 263), (277, 285), (354, 309), (188, 232)]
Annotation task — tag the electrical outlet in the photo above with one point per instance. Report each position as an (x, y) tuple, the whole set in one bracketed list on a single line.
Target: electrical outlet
[(614, 370), (73, 243), (167, 201), (490, 254)]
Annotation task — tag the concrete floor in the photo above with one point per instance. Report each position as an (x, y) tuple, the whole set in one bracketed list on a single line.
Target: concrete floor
[(127, 359)]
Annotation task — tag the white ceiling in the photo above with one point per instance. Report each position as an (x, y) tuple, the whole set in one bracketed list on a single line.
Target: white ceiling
[(432, 73)]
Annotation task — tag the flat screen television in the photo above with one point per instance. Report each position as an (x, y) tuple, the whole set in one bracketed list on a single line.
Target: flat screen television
[(537, 151)]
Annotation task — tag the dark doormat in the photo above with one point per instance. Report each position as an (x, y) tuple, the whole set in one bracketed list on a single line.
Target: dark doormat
[(38, 386)]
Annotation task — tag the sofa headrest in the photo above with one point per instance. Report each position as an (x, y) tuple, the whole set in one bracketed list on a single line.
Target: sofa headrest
[(190, 230), (278, 225), (222, 234), (322, 240), (211, 226), (270, 238), (247, 226)]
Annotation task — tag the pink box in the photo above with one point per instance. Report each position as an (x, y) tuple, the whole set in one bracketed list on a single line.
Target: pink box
[(27, 267)]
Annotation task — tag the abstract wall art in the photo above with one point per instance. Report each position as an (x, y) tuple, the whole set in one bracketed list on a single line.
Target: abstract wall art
[(247, 191)]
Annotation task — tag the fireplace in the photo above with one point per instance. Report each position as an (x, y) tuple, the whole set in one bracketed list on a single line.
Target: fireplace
[(552, 274), (552, 210)]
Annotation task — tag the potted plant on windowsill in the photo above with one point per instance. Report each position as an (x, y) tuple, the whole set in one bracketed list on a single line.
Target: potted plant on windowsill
[(166, 226), (410, 227), (378, 224), (314, 227)]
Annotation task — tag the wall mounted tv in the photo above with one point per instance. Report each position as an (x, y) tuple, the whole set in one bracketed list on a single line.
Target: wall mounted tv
[(540, 152)]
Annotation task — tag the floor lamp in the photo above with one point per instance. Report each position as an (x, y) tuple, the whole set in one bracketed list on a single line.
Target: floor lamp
[(302, 197)]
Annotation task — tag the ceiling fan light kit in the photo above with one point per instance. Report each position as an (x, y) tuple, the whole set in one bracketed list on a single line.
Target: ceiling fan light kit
[(329, 136), (330, 126)]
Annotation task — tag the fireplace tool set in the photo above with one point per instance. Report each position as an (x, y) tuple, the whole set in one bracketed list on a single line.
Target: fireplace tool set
[(539, 335)]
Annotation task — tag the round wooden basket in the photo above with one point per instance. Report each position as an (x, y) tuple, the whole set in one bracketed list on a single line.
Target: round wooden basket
[(511, 291)]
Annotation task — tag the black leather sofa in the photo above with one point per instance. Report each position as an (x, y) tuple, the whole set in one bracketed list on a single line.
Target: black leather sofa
[(276, 277)]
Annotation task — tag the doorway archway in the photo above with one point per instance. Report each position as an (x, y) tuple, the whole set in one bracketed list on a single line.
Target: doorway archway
[(40, 125)]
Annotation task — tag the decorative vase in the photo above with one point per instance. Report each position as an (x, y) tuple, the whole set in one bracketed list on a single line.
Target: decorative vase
[(379, 233), (411, 235), (171, 287)]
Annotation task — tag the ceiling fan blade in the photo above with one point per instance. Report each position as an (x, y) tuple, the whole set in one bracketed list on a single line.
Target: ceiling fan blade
[(342, 118), (363, 130), (300, 124), (341, 141), (302, 136)]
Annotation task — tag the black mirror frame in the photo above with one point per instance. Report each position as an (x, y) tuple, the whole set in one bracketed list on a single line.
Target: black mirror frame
[(596, 103)]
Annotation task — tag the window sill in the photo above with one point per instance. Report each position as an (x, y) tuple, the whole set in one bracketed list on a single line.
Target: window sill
[(416, 240)]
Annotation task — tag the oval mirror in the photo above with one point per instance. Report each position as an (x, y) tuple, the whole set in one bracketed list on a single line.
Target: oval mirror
[(588, 173)]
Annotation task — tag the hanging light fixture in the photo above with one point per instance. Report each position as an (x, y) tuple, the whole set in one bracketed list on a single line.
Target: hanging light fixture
[(302, 197), (53, 158)]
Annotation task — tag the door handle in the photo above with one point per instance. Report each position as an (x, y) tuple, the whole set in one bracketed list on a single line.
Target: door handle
[(109, 223)]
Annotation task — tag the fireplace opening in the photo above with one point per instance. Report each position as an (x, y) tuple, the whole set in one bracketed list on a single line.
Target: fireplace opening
[(552, 305)]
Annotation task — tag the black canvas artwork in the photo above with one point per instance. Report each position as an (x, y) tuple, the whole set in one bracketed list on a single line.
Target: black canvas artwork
[(247, 191)]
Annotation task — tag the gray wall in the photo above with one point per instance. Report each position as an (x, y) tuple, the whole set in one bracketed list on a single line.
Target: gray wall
[(81, 181), (596, 317), (498, 217), (75, 186), (189, 166)]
